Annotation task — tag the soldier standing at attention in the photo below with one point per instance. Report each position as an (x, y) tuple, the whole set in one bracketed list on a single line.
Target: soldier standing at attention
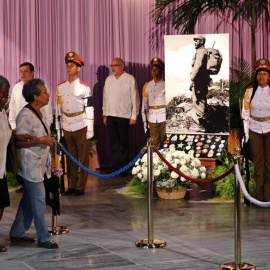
[(200, 81), (153, 103), (74, 106)]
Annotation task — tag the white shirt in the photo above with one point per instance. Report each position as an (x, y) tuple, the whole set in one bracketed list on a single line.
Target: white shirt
[(154, 95), (5, 132), (17, 102), (73, 96), (34, 161), (121, 97), (259, 107)]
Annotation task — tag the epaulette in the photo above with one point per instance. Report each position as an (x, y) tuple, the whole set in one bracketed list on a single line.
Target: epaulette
[(84, 83), (145, 94)]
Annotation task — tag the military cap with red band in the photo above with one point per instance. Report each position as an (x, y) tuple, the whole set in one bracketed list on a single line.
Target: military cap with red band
[(74, 57), (157, 62), (262, 64)]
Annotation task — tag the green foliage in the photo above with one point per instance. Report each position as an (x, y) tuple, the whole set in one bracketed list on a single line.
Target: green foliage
[(11, 180), (241, 78), (224, 188), (136, 186)]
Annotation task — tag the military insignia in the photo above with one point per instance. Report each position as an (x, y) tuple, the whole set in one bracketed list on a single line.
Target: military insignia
[(182, 137), (262, 61), (70, 54), (155, 59)]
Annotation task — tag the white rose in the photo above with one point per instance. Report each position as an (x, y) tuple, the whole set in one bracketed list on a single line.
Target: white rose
[(174, 175), (183, 161), (177, 161), (155, 160), (134, 170), (183, 168), (203, 175), (195, 173), (144, 172), (169, 156), (144, 158), (140, 175), (203, 169), (156, 172), (160, 167)]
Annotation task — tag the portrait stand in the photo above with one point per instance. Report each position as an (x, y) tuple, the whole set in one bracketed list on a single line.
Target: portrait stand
[(150, 242)]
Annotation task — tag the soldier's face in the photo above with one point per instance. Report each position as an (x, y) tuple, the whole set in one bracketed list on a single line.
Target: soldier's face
[(72, 69), (156, 72), (197, 43), (26, 74), (263, 78)]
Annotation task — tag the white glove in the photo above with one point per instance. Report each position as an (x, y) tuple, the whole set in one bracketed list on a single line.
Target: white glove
[(89, 134), (246, 130), (246, 137), (145, 126)]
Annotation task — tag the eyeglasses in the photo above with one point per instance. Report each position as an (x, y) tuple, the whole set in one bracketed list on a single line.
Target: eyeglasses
[(5, 98), (115, 65)]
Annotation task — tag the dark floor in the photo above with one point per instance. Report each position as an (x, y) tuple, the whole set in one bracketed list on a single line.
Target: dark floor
[(104, 224)]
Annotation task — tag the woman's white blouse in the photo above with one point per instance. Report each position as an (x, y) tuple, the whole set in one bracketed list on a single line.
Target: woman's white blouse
[(34, 161)]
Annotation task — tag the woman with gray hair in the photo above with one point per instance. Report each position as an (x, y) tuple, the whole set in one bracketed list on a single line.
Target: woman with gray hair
[(34, 163)]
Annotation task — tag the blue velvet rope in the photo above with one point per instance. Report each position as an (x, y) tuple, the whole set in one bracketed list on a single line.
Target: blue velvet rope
[(130, 164)]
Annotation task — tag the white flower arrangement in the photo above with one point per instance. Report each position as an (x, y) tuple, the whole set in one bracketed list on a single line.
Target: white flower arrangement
[(165, 177)]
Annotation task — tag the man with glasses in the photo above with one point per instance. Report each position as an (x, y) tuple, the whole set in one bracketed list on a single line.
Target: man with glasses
[(74, 106), (17, 101), (121, 104)]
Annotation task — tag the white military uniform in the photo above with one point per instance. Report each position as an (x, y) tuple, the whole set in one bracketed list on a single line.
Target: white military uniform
[(72, 98), (260, 108), (153, 102), (17, 102)]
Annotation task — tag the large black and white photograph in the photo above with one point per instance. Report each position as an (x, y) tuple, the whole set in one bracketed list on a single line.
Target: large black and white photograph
[(197, 83)]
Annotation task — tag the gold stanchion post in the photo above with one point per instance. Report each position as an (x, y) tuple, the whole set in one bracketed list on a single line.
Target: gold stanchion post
[(237, 264), (150, 242)]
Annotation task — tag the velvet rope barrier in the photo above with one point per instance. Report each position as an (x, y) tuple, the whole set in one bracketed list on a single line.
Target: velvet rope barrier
[(202, 181), (104, 176)]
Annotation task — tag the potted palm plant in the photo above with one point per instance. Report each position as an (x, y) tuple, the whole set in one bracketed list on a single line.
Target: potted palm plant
[(241, 78)]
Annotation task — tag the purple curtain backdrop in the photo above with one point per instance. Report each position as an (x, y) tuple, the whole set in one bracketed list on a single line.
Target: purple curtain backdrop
[(42, 31)]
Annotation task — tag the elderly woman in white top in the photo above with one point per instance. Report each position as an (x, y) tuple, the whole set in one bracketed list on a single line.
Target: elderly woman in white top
[(5, 132), (34, 163), (256, 116)]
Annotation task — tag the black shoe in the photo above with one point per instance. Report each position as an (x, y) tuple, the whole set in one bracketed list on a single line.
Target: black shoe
[(24, 239), (78, 193), (20, 190), (49, 244), (69, 192)]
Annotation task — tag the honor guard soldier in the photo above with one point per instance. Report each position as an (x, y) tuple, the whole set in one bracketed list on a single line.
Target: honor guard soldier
[(153, 103), (256, 117), (75, 115)]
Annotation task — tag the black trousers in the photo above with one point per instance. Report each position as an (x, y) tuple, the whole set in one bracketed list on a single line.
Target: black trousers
[(118, 129)]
